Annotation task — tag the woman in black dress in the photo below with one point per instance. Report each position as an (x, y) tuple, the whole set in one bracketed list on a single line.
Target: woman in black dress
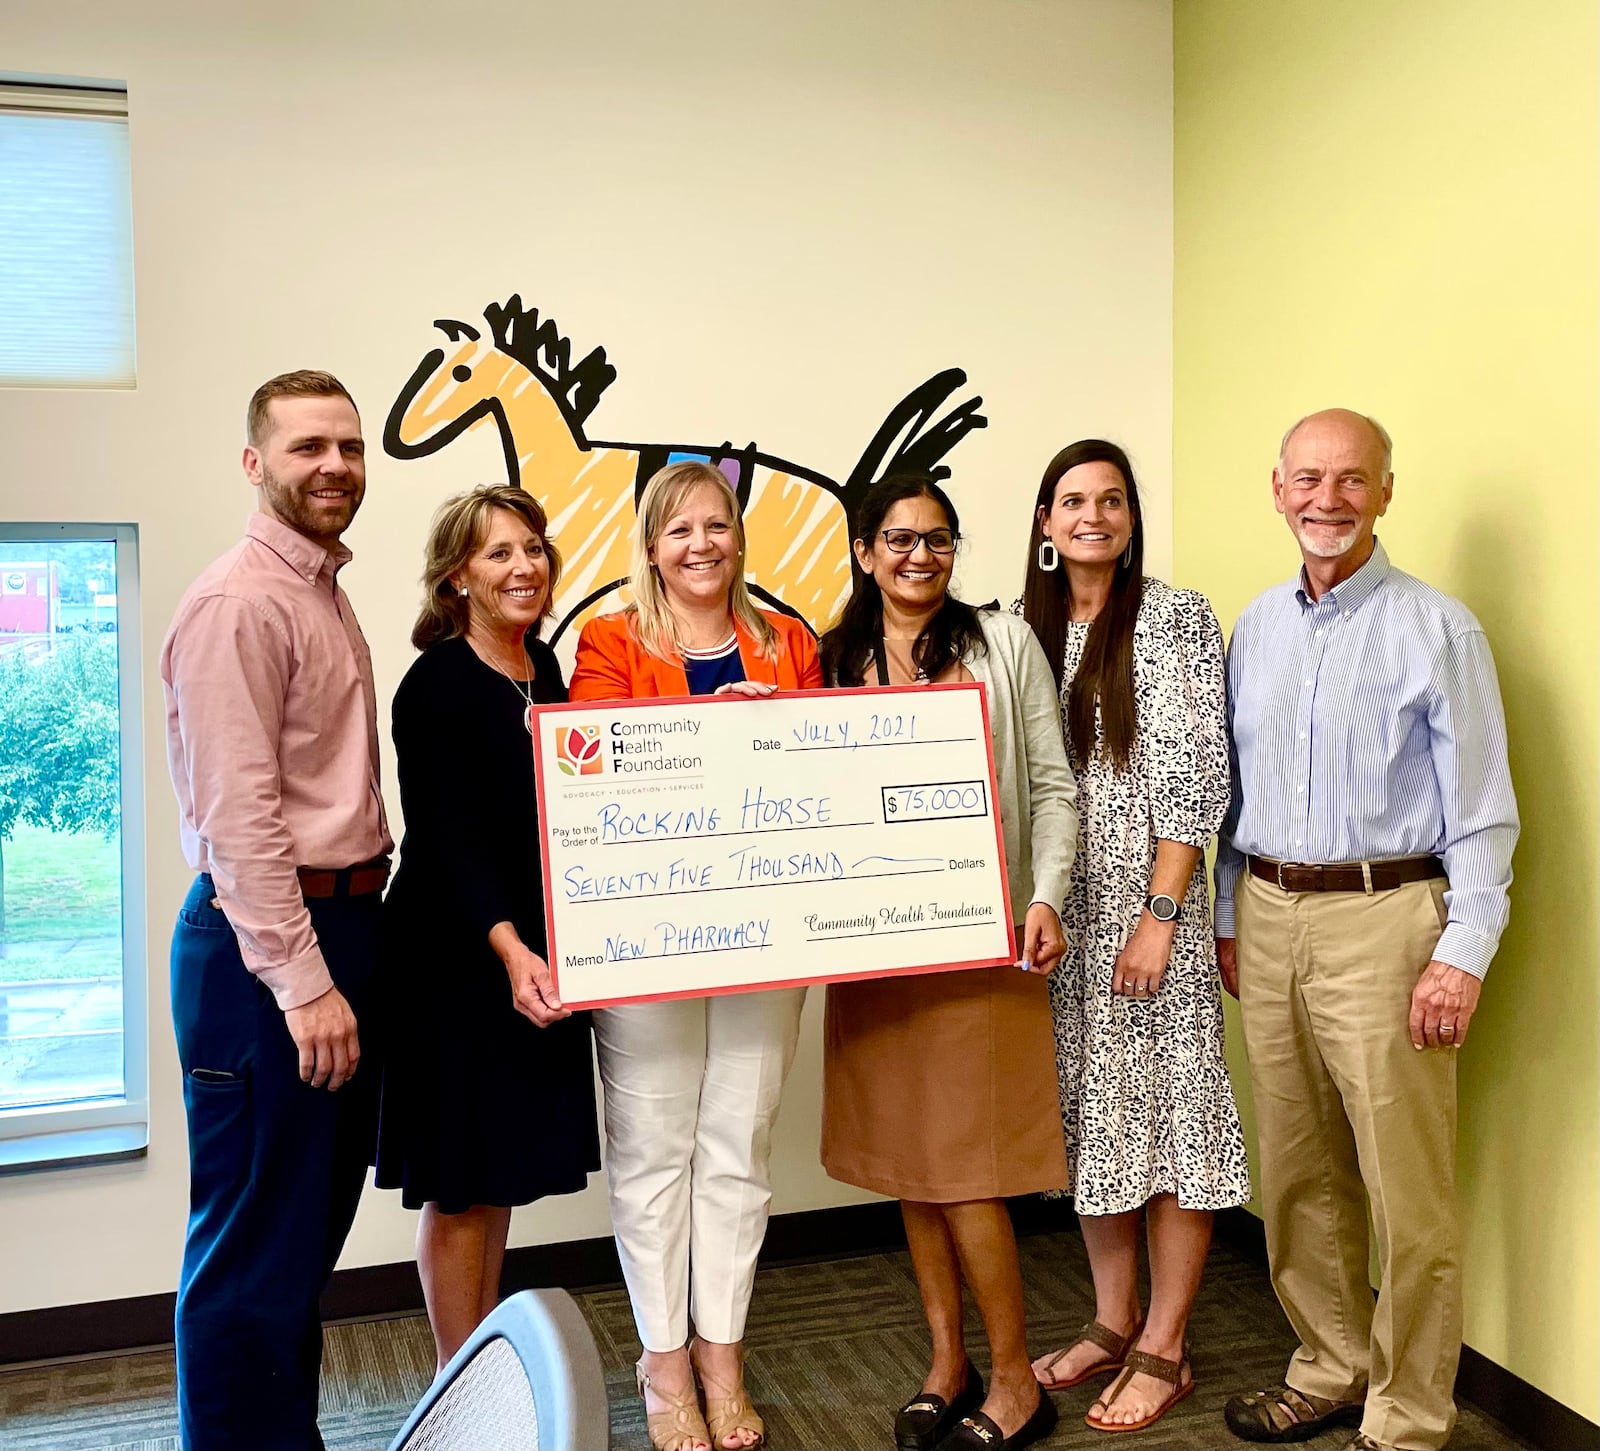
[(488, 1093)]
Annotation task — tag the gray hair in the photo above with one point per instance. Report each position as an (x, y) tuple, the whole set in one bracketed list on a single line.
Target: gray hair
[(1379, 432)]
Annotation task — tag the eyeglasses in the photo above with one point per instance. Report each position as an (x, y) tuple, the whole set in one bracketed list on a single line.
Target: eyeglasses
[(904, 541)]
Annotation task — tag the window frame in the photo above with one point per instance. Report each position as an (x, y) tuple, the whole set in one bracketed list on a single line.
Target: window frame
[(103, 1128)]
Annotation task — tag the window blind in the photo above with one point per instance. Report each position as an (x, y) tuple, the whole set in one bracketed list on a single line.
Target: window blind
[(66, 246)]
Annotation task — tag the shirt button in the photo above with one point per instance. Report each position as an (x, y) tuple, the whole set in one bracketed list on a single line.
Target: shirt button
[(1302, 790), (1319, 634), (1308, 680), (1302, 735)]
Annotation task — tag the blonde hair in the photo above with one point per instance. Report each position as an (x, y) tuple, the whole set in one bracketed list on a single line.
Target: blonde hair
[(651, 616), (460, 527)]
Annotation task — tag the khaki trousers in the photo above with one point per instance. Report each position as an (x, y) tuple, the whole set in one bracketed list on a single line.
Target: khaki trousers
[(1350, 1114)]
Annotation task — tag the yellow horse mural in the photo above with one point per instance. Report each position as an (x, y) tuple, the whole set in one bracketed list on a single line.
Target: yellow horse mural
[(520, 376)]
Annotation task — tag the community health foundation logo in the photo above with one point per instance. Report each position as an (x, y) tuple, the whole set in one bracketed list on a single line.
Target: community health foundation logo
[(578, 750)]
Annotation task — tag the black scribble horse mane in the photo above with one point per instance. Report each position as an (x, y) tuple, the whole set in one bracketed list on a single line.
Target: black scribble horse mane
[(539, 346)]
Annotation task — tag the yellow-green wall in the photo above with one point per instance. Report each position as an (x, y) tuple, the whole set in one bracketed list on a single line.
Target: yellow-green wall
[(1391, 205)]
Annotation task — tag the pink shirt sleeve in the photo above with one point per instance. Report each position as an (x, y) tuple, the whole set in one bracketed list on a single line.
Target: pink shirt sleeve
[(228, 669)]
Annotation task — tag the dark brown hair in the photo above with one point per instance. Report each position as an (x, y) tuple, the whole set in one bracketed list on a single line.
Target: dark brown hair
[(1105, 673), (304, 383), (459, 527)]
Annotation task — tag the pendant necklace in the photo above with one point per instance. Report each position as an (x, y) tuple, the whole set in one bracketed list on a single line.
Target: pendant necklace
[(524, 690)]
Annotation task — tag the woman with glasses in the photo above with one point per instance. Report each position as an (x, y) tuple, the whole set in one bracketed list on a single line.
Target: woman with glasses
[(692, 1085), (488, 1088), (938, 1088), (1150, 1124)]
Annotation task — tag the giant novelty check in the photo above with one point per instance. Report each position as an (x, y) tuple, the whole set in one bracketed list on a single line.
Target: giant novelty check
[(722, 844)]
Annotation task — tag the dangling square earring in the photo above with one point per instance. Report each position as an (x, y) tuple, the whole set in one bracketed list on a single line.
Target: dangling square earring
[(1049, 558)]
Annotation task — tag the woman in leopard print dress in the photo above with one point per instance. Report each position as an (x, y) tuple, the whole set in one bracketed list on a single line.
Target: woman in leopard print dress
[(1147, 1107)]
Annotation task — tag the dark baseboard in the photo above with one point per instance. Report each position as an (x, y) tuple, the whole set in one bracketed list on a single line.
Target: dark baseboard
[(1527, 1410), (817, 1234), (106, 1326)]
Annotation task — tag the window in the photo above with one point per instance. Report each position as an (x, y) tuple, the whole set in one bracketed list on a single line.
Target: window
[(73, 1068), (66, 248)]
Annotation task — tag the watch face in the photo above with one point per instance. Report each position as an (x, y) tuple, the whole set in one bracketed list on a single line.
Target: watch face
[(1163, 908)]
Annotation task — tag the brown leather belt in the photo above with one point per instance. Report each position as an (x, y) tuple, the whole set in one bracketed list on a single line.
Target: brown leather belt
[(362, 880), (1366, 877)]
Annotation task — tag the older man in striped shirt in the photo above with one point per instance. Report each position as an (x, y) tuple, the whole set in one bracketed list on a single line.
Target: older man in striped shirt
[(1363, 870)]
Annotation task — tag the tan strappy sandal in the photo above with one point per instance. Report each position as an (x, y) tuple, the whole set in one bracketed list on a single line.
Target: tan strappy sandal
[(727, 1415), (1140, 1362), (1103, 1337), (680, 1422)]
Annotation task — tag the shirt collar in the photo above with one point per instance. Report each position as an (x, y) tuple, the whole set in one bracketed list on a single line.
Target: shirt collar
[(1355, 591), (304, 556)]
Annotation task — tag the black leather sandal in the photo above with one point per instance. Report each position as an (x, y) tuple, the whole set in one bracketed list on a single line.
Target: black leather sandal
[(924, 1420)]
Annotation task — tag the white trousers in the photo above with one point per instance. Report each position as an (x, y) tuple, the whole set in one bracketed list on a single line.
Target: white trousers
[(691, 1092)]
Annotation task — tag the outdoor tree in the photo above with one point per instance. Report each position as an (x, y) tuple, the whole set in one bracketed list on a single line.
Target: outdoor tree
[(58, 738)]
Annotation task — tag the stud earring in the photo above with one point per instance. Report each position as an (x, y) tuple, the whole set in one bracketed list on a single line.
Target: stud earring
[(1049, 556), (462, 591)]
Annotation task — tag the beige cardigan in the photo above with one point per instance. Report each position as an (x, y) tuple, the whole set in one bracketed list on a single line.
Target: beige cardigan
[(1037, 794)]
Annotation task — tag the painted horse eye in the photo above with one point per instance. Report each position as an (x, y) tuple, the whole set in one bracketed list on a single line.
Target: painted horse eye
[(461, 372)]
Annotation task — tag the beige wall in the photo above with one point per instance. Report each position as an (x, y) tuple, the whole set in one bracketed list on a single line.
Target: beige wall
[(776, 219)]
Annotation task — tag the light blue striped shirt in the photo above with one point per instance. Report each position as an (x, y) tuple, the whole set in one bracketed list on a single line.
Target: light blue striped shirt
[(1365, 725)]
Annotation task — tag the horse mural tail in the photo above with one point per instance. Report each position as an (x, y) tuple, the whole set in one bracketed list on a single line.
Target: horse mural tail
[(797, 522), (907, 443)]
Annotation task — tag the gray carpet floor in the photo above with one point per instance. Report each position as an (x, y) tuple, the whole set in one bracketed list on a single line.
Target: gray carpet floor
[(832, 1347)]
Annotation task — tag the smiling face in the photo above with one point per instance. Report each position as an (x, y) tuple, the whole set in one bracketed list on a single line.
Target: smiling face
[(310, 466), (1331, 485), (507, 577), (1090, 518), (697, 552), (914, 582)]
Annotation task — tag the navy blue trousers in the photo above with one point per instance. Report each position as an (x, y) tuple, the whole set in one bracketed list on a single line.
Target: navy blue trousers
[(276, 1169)]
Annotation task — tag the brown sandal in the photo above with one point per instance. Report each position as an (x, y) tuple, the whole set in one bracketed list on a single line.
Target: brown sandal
[(727, 1414), (680, 1422), (1115, 1346), (1281, 1414), (1140, 1362)]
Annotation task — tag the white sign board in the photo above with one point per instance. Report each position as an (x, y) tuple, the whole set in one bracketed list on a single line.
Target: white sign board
[(722, 844)]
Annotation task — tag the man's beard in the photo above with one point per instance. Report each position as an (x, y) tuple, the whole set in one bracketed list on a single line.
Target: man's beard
[(300, 512), (1322, 546)]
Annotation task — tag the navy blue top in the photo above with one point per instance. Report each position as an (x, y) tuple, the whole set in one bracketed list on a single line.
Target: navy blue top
[(708, 673)]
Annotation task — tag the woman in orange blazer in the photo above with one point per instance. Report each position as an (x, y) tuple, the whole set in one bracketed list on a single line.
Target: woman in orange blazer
[(692, 1085)]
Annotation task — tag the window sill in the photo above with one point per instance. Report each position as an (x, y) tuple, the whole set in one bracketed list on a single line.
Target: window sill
[(74, 1148)]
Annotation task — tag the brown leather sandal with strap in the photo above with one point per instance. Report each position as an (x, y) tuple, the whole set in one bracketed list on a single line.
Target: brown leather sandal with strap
[(1115, 1346), (1281, 1414), (1140, 1362)]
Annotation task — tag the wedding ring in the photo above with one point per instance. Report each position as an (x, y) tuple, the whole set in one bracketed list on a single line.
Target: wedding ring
[(1447, 1027)]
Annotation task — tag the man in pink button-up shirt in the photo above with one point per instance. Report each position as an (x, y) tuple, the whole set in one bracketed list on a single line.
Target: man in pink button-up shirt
[(273, 745)]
